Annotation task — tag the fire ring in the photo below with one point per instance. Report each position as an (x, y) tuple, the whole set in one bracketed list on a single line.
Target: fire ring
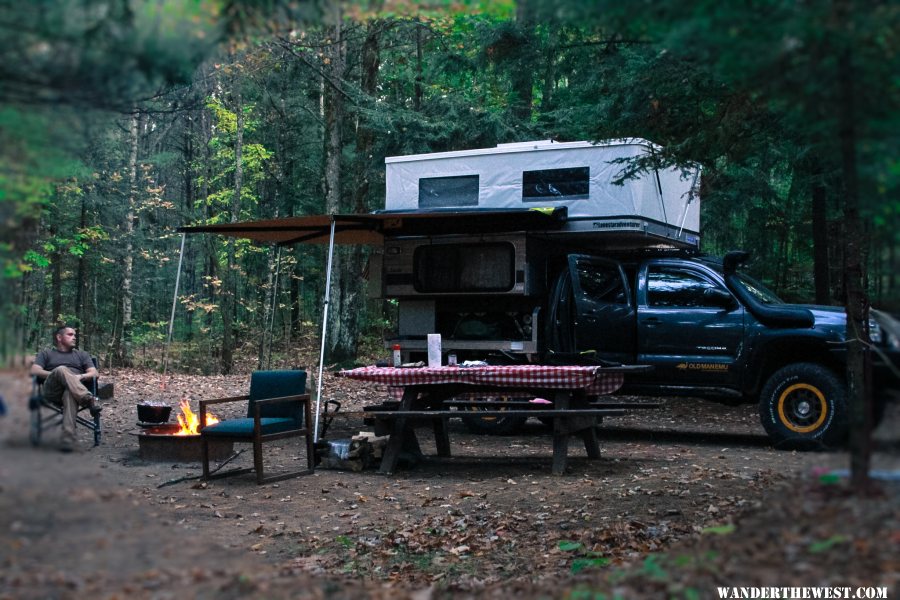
[(162, 445)]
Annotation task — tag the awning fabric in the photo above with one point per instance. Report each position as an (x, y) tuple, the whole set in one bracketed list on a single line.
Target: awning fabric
[(370, 229)]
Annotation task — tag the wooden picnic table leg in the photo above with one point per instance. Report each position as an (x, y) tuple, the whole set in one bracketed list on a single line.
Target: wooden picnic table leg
[(403, 436), (560, 434), (441, 437), (591, 443), (436, 397), (563, 427), (589, 434)]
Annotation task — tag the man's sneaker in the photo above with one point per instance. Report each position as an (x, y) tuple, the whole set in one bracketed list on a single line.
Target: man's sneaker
[(66, 447), (94, 406)]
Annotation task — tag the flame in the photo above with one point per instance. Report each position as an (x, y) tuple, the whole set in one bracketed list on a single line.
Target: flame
[(190, 421)]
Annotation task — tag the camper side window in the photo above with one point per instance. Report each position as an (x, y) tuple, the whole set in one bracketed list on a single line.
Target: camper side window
[(451, 268), (436, 192), (556, 184)]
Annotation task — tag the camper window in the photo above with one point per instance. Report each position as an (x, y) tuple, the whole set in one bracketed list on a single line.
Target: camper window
[(452, 268), (460, 190), (556, 184)]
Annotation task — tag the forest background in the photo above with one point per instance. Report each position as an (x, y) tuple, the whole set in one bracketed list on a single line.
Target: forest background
[(121, 120)]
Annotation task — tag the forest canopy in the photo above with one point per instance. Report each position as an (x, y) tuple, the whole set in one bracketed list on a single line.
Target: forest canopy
[(121, 120)]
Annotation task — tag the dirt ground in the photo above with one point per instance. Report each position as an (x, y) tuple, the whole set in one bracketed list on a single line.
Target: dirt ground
[(685, 498)]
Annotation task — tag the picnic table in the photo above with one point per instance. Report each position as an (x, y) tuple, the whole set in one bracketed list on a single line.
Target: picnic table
[(431, 393)]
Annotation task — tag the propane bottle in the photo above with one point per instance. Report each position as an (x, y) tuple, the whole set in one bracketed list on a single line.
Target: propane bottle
[(397, 360)]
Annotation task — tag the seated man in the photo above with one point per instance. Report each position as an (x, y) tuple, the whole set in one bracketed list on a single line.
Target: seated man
[(64, 369)]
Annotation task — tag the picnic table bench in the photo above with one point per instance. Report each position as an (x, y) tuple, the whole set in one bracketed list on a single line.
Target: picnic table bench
[(430, 394)]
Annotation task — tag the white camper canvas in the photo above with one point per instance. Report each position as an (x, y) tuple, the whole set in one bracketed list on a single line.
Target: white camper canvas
[(578, 175)]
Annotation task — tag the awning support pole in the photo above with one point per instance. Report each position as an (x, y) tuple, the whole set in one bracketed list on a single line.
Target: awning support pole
[(324, 328), (172, 317)]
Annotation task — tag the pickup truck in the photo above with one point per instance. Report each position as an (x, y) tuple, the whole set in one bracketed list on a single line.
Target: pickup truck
[(706, 328)]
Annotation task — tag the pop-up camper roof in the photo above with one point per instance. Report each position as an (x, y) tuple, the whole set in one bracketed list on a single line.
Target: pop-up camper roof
[(577, 175)]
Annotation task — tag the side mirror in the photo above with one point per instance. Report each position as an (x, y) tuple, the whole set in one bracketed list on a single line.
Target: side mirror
[(719, 297)]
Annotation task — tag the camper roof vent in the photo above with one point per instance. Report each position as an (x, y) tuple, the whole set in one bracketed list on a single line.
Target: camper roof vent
[(524, 145)]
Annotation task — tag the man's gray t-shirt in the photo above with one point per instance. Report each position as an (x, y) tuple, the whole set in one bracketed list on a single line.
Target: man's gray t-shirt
[(77, 361)]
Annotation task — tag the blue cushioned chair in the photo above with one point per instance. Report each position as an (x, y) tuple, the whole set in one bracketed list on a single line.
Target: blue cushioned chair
[(277, 408)]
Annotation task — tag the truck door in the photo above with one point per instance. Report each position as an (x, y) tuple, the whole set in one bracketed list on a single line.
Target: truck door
[(689, 326), (604, 313)]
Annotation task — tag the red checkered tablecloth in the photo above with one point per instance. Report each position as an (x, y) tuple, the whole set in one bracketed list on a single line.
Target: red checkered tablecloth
[(592, 379)]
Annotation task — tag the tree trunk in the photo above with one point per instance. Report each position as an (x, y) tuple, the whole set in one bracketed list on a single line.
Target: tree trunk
[(549, 69), (124, 346), (229, 306), (365, 137), (523, 75), (417, 95), (85, 337), (56, 280), (820, 243), (857, 308), (343, 323), (266, 337)]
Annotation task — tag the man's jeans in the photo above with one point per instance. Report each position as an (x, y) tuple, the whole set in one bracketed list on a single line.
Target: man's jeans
[(63, 387)]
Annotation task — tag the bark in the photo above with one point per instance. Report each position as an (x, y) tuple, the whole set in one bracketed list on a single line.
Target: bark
[(820, 244), (189, 275), (857, 309), (229, 305), (417, 95), (523, 75), (549, 88), (124, 345), (56, 280), (295, 298), (85, 336), (365, 137), (342, 329), (267, 303)]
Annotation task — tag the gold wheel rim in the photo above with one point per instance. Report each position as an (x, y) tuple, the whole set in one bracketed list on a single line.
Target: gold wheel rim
[(789, 422)]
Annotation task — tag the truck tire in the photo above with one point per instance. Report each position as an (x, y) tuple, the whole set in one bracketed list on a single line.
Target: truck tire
[(803, 406), (492, 425)]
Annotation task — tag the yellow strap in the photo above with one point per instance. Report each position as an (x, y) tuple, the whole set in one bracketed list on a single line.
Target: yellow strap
[(547, 210)]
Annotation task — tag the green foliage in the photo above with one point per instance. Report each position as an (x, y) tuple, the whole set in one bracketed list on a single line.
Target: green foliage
[(826, 545), (585, 559), (719, 530), (749, 95)]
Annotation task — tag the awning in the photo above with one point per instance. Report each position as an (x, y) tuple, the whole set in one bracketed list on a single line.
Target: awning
[(370, 229)]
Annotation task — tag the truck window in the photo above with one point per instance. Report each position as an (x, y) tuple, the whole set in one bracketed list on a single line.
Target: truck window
[(459, 190), (452, 268), (556, 184), (601, 282), (677, 287)]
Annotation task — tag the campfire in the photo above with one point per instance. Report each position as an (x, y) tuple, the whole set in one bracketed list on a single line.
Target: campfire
[(180, 442), (190, 421)]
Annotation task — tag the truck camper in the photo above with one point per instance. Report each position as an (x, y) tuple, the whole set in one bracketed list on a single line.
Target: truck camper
[(486, 289), (565, 253)]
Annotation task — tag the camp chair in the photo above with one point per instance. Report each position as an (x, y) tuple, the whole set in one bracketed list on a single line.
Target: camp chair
[(46, 414), (277, 408)]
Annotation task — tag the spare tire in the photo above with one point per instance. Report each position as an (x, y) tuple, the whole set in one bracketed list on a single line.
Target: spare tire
[(492, 425)]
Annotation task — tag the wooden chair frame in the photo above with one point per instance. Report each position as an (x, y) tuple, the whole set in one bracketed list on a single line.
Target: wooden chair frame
[(258, 439)]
